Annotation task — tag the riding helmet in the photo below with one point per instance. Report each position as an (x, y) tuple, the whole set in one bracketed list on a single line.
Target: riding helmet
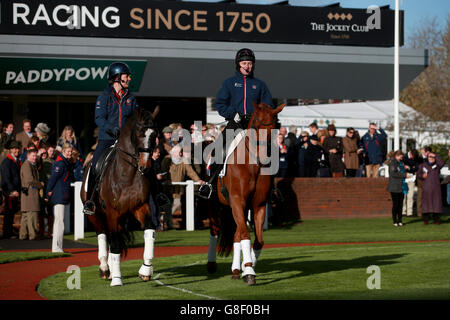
[(244, 55), (117, 69)]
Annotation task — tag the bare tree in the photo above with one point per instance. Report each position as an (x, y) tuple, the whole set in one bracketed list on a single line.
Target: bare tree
[(429, 93)]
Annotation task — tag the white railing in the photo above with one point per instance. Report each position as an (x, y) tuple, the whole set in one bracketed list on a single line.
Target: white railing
[(190, 204), (190, 208), (79, 215)]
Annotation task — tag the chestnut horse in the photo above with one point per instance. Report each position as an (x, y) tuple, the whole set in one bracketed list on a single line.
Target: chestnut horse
[(123, 197), (247, 187)]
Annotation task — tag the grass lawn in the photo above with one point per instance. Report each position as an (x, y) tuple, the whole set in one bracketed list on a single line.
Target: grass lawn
[(407, 271), (417, 270)]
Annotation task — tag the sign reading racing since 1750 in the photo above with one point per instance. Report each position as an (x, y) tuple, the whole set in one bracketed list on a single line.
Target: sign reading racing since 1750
[(198, 21)]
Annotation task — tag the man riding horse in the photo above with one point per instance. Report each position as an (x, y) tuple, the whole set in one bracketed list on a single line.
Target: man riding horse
[(114, 105), (235, 101)]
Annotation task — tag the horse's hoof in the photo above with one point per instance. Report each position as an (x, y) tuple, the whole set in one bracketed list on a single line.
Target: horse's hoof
[(116, 282), (145, 272), (212, 267), (235, 275), (104, 274), (145, 278), (249, 279)]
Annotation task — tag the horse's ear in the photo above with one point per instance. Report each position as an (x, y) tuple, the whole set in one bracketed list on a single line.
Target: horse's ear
[(256, 106), (279, 108), (155, 112)]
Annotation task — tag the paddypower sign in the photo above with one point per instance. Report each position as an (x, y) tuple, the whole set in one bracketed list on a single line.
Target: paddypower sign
[(62, 74), (183, 20)]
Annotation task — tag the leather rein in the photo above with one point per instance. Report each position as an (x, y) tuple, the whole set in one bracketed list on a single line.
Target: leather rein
[(137, 150)]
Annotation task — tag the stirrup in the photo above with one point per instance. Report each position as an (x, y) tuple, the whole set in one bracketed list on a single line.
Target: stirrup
[(205, 190), (89, 208)]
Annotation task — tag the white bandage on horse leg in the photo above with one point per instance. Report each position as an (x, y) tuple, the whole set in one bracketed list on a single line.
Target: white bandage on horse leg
[(236, 265), (255, 255), (247, 258), (116, 275), (149, 240), (212, 248), (246, 251), (102, 251)]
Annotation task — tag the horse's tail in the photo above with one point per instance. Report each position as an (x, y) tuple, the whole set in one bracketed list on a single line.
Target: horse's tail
[(124, 238), (228, 229)]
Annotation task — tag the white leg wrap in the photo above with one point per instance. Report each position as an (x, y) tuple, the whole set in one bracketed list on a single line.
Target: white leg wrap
[(115, 270), (212, 248), (149, 240), (255, 255), (102, 251), (246, 257), (236, 256)]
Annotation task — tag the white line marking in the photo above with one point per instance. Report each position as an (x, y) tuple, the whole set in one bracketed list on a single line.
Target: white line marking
[(181, 289)]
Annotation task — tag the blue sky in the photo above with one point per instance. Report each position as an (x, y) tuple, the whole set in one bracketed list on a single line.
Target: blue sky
[(415, 10)]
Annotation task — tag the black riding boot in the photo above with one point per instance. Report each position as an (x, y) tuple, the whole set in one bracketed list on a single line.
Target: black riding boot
[(89, 205)]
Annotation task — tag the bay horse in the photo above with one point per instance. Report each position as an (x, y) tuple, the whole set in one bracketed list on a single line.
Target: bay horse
[(123, 197), (246, 188)]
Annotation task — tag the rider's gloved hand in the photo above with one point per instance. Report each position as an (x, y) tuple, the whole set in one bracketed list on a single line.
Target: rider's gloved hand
[(116, 132)]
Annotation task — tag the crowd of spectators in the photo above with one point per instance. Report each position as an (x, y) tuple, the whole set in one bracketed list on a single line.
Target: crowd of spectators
[(28, 168), (321, 153)]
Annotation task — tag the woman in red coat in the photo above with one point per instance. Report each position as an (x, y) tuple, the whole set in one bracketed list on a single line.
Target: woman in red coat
[(429, 172)]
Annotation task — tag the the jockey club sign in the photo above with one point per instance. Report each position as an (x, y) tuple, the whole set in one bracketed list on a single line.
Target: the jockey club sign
[(200, 21)]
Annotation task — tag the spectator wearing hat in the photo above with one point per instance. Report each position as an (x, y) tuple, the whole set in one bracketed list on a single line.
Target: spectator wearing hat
[(24, 136), (165, 143), (313, 156), (30, 202), (42, 131), (10, 171), (429, 173), (333, 147), (179, 169), (302, 145)]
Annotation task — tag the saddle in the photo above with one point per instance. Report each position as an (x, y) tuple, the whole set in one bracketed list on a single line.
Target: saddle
[(103, 162)]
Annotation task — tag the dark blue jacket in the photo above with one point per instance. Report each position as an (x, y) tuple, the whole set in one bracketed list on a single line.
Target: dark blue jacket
[(60, 180), (111, 113), (10, 171), (238, 93), (372, 146)]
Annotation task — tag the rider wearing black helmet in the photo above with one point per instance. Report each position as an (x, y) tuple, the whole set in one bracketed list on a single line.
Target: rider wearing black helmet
[(113, 107), (235, 98)]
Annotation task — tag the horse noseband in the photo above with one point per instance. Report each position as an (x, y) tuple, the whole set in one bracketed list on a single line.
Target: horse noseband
[(145, 150)]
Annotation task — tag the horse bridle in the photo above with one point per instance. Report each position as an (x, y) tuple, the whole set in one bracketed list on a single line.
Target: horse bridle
[(137, 150)]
